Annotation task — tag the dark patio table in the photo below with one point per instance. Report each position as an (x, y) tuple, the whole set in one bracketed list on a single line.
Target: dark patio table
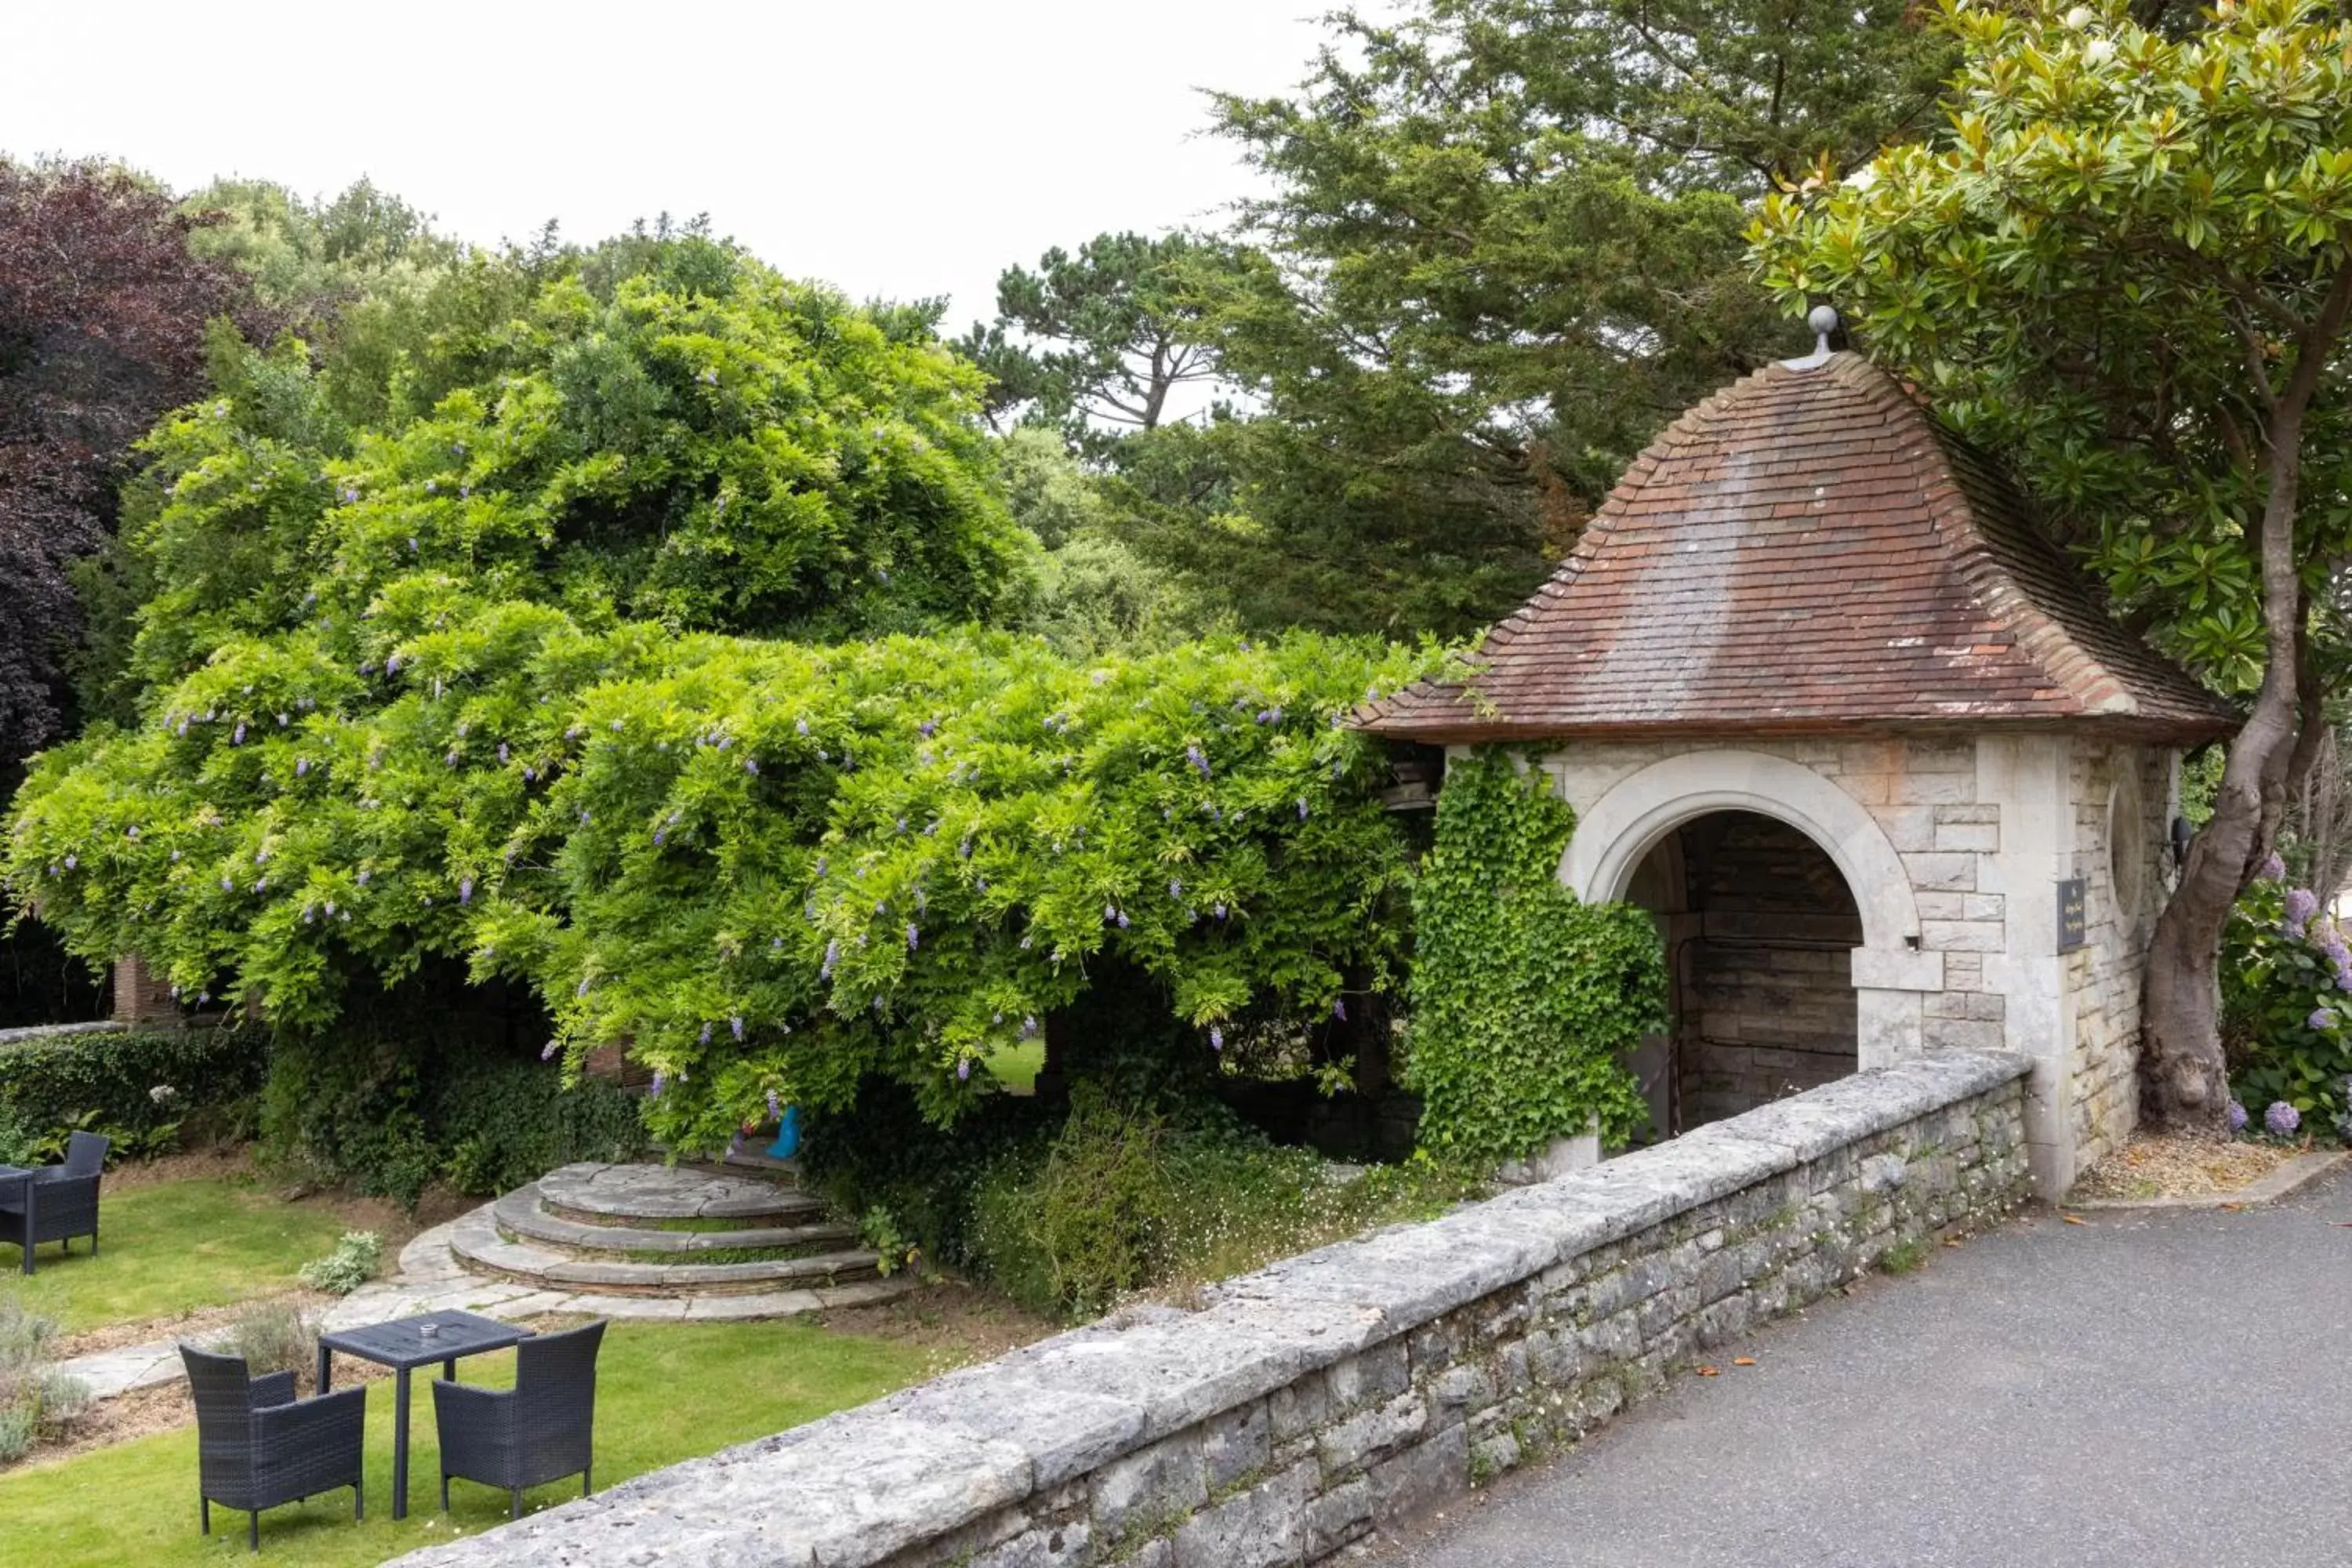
[(23, 1178), (404, 1345)]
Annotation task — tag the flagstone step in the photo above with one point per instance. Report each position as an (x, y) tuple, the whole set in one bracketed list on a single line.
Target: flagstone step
[(525, 1217), (546, 1269), (591, 1192)]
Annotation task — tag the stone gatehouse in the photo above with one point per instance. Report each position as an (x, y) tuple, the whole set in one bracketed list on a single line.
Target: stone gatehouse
[(1891, 779)]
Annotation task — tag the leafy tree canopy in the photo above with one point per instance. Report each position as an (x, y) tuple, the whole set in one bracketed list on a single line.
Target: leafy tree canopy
[(103, 315), (1503, 251)]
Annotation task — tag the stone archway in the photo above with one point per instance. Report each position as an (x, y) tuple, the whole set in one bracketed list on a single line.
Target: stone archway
[(1617, 831)]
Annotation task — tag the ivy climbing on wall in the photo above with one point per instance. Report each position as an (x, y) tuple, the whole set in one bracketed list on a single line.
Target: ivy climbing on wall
[(1525, 1000)]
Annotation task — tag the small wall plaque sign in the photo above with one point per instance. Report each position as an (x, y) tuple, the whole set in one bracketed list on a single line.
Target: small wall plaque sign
[(2073, 926)]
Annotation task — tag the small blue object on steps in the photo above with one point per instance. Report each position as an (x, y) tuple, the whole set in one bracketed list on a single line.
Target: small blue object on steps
[(788, 1136)]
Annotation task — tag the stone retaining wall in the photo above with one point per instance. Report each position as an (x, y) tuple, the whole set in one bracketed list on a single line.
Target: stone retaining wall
[(1304, 1407)]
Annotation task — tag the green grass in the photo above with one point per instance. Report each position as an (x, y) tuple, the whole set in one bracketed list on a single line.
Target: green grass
[(173, 1248), (1016, 1066), (664, 1392)]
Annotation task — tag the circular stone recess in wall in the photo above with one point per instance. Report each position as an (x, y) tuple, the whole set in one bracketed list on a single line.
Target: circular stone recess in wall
[(2127, 851)]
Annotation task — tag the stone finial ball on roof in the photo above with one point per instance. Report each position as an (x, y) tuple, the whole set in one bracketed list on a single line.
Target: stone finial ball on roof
[(1823, 319)]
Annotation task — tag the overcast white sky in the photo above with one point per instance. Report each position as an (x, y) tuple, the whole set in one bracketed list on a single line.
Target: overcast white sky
[(891, 147)]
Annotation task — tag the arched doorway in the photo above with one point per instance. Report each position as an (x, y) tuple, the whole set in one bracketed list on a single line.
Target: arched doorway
[(1759, 929), (1618, 832)]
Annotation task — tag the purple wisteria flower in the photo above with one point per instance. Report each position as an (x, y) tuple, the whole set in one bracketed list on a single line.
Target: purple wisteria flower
[(502, 751), (1216, 1039), (2302, 903), (2273, 867), (466, 890), (661, 1081), (2281, 1119), (1339, 1009), (2321, 1018), (775, 1111), (238, 738), (928, 727), (704, 1038), (546, 1052), (831, 957), (1028, 1026), (963, 1068), (751, 766), (1302, 808), (1175, 888), (801, 725), (914, 938), (301, 767), (1200, 762)]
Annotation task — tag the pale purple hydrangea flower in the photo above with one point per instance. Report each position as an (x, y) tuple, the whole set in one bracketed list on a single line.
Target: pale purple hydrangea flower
[(2302, 903), (2321, 1018), (2281, 1119), (2273, 867)]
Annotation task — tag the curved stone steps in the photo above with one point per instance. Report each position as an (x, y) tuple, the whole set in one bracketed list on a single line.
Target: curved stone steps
[(546, 1269), (523, 1215), (589, 1192)]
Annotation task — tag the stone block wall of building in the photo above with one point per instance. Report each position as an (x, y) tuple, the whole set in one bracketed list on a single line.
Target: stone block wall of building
[(1314, 1403), (2121, 797), (1955, 847)]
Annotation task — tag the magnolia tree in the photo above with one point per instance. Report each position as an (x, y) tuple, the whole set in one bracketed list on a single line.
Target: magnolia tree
[(2123, 263)]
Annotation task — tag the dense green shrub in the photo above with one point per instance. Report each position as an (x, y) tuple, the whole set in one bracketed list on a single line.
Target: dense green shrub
[(398, 1108), (2286, 1006), (1066, 1210), (136, 1087), (1525, 1001)]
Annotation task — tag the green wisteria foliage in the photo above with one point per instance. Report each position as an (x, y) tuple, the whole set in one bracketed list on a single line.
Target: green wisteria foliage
[(475, 683), (770, 869)]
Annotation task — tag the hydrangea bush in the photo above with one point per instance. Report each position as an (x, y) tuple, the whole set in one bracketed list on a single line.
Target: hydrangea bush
[(2286, 981)]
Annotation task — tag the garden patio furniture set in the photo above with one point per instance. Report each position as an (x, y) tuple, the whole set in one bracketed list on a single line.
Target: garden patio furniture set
[(53, 1203), (259, 1446)]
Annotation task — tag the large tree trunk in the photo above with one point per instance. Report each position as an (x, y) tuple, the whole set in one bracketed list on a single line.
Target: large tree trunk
[(2183, 1075)]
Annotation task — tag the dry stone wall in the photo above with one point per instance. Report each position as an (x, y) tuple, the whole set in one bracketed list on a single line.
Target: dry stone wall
[(1310, 1404)]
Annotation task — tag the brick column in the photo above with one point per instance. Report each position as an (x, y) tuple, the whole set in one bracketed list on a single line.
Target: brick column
[(141, 1000)]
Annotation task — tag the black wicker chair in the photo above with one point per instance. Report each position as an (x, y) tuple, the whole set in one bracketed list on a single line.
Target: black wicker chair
[(58, 1203), (539, 1430), (257, 1446)]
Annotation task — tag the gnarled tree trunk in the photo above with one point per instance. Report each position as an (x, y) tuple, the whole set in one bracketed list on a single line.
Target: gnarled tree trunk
[(2184, 1076)]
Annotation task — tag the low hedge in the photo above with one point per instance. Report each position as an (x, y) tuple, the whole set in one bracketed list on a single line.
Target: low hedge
[(132, 1086)]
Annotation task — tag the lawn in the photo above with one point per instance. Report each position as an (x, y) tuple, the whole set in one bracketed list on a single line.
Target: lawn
[(228, 1240), (664, 1392)]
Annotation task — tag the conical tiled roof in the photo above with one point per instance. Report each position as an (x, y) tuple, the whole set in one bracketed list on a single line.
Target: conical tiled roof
[(1806, 551)]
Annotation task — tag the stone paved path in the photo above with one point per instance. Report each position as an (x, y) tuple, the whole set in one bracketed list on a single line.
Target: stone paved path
[(2139, 1391)]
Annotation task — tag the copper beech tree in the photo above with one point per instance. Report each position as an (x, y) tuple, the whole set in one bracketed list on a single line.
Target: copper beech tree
[(2121, 263)]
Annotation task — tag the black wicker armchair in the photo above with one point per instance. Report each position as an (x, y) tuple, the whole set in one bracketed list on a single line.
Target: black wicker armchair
[(257, 1446), (57, 1203), (539, 1430)]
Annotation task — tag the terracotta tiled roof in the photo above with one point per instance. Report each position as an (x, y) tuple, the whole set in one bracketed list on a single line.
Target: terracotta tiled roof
[(1808, 550)]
